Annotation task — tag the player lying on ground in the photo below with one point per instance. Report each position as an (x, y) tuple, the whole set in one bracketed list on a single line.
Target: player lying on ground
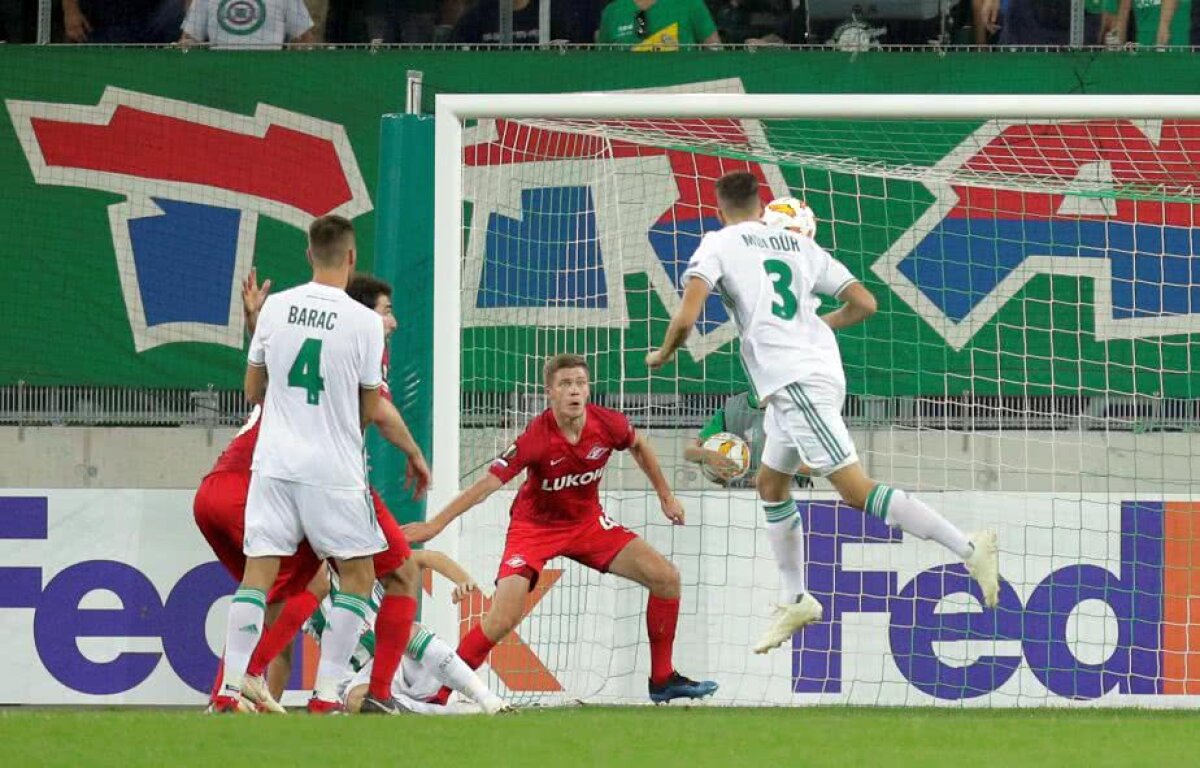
[(772, 278), (557, 513), (281, 506), (429, 662)]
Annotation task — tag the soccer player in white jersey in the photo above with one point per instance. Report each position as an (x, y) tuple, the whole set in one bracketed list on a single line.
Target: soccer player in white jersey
[(316, 352), (772, 279)]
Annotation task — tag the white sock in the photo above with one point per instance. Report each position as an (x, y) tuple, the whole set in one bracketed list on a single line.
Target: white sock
[(914, 516), (345, 623), (786, 535), (241, 636), (439, 658)]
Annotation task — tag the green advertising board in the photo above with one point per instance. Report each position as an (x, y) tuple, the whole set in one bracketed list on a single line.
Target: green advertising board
[(138, 184)]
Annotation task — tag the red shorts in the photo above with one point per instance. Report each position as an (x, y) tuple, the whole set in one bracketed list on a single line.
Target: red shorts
[(398, 550), (595, 542), (220, 510)]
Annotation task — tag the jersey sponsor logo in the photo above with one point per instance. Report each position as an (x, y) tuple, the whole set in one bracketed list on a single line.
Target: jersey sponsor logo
[(555, 214), (598, 452), (241, 17), (195, 181), (975, 249), (1149, 650), (572, 481)]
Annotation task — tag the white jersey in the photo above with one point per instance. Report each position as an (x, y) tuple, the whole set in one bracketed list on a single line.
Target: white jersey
[(319, 347), (770, 280), (253, 23)]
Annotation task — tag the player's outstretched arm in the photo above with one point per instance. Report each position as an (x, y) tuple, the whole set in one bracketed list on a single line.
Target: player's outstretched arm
[(393, 428), (646, 459), (694, 296), (464, 585), (857, 305), (476, 494)]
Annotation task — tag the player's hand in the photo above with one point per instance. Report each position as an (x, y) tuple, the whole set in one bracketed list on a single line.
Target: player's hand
[(463, 591), (673, 510), (656, 359), (419, 533), (76, 26), (253, 294), (724, 466), (417, 476)]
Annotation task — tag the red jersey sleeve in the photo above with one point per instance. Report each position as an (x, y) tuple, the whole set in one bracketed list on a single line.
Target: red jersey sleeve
[(524, 451)]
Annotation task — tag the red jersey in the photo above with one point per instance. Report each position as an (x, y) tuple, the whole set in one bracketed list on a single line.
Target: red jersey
[(562, 486), (239, 454)]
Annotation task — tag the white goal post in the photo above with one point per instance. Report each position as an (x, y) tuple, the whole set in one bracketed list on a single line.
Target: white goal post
[(1032, 447)]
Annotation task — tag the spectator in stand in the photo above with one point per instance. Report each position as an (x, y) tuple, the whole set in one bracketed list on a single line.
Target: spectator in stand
[(1036, 22), (755, 22), (129, 21), (260, 24), (1155, 22), (393, 21), (657, 25), (318, 11), (481, 24)]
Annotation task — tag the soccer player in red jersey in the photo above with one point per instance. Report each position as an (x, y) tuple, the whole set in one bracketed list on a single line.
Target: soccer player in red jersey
[(557, 513), (220, 507)]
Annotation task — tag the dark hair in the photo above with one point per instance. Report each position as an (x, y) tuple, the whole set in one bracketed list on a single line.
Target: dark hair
[(330, 238), (560, 362), (366, 289), (737, 191)]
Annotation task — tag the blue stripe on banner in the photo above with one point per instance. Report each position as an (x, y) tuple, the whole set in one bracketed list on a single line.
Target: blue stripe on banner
[(24, 517), (20, 587)]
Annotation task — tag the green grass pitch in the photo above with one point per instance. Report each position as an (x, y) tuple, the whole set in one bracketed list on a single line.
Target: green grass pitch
[(609, 737)]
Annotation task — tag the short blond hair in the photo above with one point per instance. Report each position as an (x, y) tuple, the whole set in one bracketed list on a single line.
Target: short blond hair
[(561, 362)]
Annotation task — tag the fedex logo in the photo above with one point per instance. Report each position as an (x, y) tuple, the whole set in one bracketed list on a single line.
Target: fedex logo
[(977, 247), (1153, 594), (195, 180)]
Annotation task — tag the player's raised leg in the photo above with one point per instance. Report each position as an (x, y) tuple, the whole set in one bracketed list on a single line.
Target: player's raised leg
[(642, 563), (898, 508)]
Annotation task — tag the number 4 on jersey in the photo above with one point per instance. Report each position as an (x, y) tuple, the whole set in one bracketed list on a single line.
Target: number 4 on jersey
[(306, 371)]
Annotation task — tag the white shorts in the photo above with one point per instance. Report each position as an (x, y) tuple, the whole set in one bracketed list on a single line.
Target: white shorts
[(412, 687), (337, 523), (804, 426)]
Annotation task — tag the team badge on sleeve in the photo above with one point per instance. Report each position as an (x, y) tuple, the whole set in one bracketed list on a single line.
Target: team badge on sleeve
[(502, 459)]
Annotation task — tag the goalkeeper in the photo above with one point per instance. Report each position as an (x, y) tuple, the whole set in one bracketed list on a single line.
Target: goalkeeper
[(741, 415)]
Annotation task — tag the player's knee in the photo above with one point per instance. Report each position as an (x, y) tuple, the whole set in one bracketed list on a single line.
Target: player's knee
[(665, 580), (501, 620), (771, 485), (403, 580)]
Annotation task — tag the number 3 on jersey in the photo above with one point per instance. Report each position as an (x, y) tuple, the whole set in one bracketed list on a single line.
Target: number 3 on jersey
[(781, 281), (306, 371)]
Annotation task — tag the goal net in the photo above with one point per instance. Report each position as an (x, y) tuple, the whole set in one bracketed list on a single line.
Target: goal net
[(1029, 370)]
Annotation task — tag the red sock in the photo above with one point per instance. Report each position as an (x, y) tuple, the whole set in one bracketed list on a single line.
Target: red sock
[(473, 649), (393, 625), (217, 682), (295, 612), (661, 617)]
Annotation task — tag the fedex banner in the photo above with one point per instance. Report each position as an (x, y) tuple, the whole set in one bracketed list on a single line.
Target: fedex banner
[(112, 597)]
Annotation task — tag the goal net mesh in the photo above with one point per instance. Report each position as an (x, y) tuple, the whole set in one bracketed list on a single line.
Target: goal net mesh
[(1029, 370)]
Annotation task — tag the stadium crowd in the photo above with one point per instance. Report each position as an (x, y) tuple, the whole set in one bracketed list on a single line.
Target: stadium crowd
[(639, 24)]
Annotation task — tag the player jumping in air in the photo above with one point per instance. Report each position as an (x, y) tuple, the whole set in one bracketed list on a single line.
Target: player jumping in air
[(771, 279), (316, 352), (557, 513), (220, 510)]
